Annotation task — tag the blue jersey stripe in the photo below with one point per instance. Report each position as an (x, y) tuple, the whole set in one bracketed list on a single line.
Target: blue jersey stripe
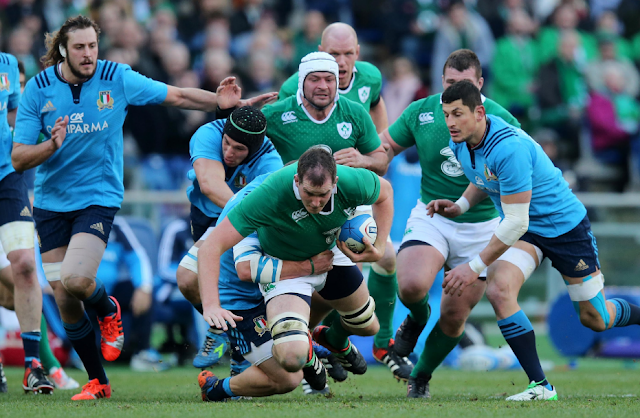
[(110, 76), (38, 81), (488, 150), (263, 150), (105, 68), (3, 59), (493, 136), (44, 74)]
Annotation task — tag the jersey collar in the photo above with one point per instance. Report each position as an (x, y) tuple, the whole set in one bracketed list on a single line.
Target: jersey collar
[(484, 136), (353, 79), (328, 209), (59, 75), (482, 97), (319, 122)]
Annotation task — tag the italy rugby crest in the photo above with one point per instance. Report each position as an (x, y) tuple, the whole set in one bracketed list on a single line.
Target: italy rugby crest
[(5, 84), (260, 325), (363, 93), (105, 101), (344, 129), (240, 181), (488, 174)]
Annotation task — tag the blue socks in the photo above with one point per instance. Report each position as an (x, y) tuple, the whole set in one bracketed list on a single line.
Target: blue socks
[(626, 313), (99, 301), (220, 390), (31, 344), (518, 332), (83, 340)]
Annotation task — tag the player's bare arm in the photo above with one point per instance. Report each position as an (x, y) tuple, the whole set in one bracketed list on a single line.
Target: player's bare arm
[(223, 237), (444, 207), (512, 227), (11, 117), (210, 175), (318, 264), (390, 146), (379, 116), (383, 215), (24, 157), (375, 161)]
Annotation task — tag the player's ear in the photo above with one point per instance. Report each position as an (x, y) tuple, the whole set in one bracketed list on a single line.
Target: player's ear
[(480, 113), (480, 83), (320, 48), (335, 181), (62, 50), (297, 180), (357, 51)]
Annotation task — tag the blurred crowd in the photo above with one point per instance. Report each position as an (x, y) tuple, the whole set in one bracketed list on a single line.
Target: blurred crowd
[(567, 69)]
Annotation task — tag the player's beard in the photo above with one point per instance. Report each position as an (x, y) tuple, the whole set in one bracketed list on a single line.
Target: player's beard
[(78, 74), (317, 107)]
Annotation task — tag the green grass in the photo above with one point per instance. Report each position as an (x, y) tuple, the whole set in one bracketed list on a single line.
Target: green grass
[(595, 390)]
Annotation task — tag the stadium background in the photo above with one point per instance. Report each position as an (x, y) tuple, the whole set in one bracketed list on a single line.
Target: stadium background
[(557, 65)]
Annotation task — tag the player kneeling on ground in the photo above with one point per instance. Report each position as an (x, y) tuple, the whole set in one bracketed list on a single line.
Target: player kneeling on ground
[(297, 213)]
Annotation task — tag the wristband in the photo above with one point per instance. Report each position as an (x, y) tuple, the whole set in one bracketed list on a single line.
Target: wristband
[(223, 113), (477, 265), (463, 203), (313, 268)]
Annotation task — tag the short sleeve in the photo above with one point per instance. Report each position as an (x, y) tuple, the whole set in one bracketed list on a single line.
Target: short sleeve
[(28, 123), (369, 141), (250, 213), (514, 169), (140, 90), (400, 131), (359, 185), (14, 97), (206, 143)]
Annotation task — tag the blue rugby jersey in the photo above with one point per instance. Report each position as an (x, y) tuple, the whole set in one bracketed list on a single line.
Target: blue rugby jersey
[(88, 168), (234, 293), (207, 143), (509, 161), (9, 99)]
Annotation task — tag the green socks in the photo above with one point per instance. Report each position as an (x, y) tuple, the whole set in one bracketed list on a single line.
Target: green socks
[(337, 336), (437, 347), (383, 288), (420, 311), (47, 358), (331, 318)]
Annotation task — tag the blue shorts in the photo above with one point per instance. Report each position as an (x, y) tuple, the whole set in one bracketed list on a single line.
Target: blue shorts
[(342, 281), (200, 223), (574, 254), (14, 199), (252, 329), (55, 229)]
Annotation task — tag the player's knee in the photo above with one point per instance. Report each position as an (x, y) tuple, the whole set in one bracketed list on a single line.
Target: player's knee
[(290, 333), (387, 264), (291, 356), (593, 320), (589, 301), (23, 265), (362, 321), (187, 283), (76, 285), (499, 290), (412, 290)]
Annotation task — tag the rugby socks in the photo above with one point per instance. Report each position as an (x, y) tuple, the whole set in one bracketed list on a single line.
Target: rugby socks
[(99, 301), (337, 336), (383, 288), (626, 313), (220, 390), (518, 332), (83, 340), (436, 348), (47, 358), (31, 344), (420, 311), (331, 318)]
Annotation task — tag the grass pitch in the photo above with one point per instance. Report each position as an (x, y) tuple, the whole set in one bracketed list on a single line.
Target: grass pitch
[(595, 389)]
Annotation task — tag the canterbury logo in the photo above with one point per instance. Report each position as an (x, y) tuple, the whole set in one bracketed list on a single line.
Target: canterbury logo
[(98, 227), (299, 214), (289, 117), (49, 107), (25, 212), (581, 266), (426, 117)]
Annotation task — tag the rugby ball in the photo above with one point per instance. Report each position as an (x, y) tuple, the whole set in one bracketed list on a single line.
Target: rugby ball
[(357, 227)]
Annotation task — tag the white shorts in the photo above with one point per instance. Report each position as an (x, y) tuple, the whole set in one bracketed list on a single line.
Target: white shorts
[(458, 242), (259, 355), (302, 285), (4, 261)]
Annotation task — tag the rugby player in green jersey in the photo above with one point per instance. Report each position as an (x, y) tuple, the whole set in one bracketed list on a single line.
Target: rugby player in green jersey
[(431, 243), (319, 115), (297, 213)]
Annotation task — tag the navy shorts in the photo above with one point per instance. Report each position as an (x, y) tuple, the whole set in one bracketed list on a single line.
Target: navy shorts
[(55, 229), (14, 199), (252, 329), (574, 254), (342, 281), (200, 223)]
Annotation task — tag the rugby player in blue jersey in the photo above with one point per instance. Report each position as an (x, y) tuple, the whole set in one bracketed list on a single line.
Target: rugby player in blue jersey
[(541, 217), (80, 103)]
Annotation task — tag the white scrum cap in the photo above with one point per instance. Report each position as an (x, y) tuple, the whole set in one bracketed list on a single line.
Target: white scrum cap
[(314, 62)]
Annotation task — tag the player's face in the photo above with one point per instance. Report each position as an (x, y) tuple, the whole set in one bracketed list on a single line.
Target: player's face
[(82, 52), (461, 121), (345, 51), (315, 198), (320, 88), (233, 152), (452, 76)]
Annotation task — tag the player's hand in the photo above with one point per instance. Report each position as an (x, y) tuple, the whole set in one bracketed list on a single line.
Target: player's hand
[(457, 279), (219, 317), (260, 101), (323, 262), (228, 93), (370, 254), (140, 302), (59, 132), (443, 207), (350, 157)]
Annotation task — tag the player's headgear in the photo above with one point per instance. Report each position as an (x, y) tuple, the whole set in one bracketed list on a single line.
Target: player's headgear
[(317, 62), (247, 126)]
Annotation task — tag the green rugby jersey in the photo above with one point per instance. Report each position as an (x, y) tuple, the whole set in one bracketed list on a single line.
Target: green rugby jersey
[(293, 131), (285, 228), (422, 124), (364, 88)]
